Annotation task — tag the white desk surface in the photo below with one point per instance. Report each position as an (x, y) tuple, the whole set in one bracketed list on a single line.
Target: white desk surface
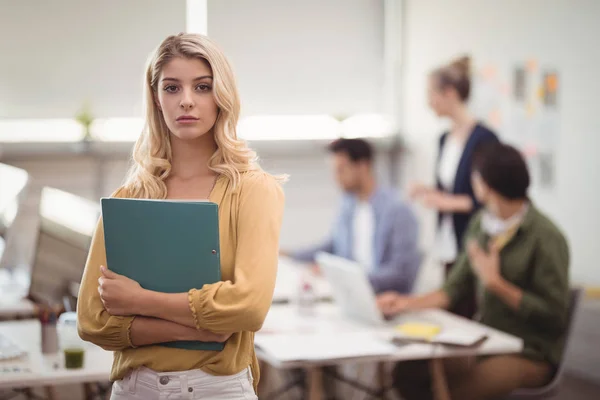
[(284, 322), (37, 369)]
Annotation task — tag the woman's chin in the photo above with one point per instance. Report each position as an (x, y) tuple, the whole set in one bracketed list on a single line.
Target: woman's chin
[(189, 134)]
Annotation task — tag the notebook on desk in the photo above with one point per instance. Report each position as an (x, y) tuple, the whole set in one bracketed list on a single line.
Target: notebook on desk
[(432, 333), (166, 246)]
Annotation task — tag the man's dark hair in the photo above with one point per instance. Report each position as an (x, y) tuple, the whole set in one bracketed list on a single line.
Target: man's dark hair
[(356, 149), (503, 169)]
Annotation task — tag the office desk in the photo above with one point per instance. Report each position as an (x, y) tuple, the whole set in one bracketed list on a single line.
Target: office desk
[(37, 369), (329, 339)]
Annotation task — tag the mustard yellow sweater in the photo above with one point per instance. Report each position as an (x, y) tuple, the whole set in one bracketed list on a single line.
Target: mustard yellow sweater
[(249, 221)]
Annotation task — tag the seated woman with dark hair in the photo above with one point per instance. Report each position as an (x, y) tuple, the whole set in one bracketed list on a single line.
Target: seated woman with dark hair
[(517, 262)]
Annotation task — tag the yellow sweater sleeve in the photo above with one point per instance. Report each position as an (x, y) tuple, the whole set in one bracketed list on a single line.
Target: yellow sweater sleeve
[(94, 323), (242, 305)]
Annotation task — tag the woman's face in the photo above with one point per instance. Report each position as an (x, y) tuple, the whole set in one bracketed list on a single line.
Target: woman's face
[(185, 97), (439, 99)]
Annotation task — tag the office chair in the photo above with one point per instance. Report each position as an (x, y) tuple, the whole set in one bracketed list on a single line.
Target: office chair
[(552, 388)]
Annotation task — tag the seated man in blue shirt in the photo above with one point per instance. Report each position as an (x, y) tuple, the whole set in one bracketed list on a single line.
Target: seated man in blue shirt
[(374, 227)]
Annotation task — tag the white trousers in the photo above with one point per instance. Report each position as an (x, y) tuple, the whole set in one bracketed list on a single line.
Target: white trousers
[(146, 384)]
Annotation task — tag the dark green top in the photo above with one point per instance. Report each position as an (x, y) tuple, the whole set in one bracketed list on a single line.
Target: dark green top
[(536, 260)]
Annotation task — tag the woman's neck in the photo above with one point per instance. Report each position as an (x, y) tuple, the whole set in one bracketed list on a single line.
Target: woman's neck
[(190, 157), (462, 122), (506, 209)]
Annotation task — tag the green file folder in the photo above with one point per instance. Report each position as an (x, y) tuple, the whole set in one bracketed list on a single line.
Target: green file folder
[(166, 246)]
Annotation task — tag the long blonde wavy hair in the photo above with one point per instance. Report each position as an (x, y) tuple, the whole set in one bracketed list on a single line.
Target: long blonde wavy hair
[(152, 152)]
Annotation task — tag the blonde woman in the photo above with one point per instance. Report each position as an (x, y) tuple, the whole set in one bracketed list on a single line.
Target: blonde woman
[(189, 150)]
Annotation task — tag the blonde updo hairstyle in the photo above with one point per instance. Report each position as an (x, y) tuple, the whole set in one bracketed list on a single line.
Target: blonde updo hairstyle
[(456, 75)]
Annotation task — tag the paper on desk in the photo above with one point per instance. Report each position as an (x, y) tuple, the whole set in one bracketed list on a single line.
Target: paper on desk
[(9, 350), (323, 346)]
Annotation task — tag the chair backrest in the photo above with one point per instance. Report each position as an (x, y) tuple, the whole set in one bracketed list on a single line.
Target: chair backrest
[(576, 294), (552, 388)]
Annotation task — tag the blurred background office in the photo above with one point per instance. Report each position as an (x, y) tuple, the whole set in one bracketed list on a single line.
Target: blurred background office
[(71, 75)]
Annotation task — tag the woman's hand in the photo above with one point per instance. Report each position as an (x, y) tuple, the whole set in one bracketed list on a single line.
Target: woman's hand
[(434, 199), (119, 294), (446, 202), (417, 190), (428, 196), (486, 265)]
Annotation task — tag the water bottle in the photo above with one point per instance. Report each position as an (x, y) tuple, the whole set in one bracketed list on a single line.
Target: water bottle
[(306, 298)]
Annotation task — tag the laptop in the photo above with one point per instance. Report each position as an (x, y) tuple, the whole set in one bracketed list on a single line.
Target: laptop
[(355, 296), (351, 288)]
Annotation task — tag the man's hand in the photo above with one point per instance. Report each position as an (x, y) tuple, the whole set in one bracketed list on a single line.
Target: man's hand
[(315, 269), (486, 265), (392, 303), (119, 294)]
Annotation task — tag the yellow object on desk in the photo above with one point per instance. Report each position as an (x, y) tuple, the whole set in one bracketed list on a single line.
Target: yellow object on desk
[(419, 330)]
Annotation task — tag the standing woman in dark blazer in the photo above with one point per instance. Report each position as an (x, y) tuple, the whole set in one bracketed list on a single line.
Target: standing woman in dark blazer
[(452, 197)]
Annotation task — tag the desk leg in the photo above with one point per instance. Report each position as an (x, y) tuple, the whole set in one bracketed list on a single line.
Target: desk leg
[(89, 391), (314, 383), (382, 379), (439, 382), (50, 392)]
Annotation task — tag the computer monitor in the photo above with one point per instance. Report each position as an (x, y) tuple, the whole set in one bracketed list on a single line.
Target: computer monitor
[(67, 223), (13, 182)]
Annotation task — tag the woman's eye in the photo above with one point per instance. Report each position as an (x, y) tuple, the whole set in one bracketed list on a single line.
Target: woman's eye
[(170, 89), (203, 87)]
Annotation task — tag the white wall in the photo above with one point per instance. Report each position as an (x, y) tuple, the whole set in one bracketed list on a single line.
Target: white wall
[(58, 54), (303, 57), (558, 33)]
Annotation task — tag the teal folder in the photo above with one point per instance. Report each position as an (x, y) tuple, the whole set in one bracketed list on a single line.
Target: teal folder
[(166, 246)]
